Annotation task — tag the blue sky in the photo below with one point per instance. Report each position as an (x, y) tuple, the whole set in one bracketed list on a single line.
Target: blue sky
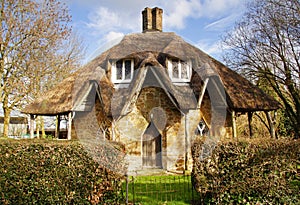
[(200, 22)]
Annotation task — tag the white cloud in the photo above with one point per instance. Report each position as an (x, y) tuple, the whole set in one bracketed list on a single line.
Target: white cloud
[(212, 48), (177, 12), (217, 8), (103, 19), (223, 23), (112, 36), (106, 42)]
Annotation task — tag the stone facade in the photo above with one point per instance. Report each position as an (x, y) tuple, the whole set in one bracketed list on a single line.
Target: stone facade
[(153, 107), (91, 124), (167, 119)]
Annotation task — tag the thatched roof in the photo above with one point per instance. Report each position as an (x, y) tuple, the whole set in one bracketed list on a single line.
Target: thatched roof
[(150, 48), (66, 96)]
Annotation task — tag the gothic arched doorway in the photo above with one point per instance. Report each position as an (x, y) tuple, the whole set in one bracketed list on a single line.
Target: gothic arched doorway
[(152, 147)]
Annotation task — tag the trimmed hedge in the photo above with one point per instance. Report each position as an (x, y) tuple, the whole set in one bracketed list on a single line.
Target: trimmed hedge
[(247, 171), (55, 172)]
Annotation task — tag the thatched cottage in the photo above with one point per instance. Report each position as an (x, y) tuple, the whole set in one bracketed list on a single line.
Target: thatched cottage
[(154, 92)]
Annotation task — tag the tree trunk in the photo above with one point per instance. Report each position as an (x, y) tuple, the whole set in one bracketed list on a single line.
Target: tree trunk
[(297, 127), (271, 125), (6, 121)]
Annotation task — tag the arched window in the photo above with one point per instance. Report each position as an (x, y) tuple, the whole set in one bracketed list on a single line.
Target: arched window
[(202, 129)]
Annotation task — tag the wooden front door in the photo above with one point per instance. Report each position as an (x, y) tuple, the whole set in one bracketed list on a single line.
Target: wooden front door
[(152, 147)]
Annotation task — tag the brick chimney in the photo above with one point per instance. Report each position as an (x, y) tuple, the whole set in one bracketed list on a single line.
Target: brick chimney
[(152, 19)]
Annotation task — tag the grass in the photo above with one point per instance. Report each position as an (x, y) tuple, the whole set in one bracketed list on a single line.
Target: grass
[(169, 189)]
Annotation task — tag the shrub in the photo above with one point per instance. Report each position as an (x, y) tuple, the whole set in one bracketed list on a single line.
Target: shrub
[(248, 171), (54, 172)]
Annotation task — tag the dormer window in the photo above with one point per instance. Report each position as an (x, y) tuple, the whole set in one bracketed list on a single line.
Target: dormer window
[(122, 71), (179, 71)]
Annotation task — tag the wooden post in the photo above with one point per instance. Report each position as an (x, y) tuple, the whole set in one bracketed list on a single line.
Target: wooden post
[(31, 126), (185, 143), (250, 114), (43, 126), (69, 125), (234, 133), (57, 129), (37, 127)]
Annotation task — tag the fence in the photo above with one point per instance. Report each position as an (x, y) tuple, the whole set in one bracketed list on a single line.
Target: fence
[(159, 190)]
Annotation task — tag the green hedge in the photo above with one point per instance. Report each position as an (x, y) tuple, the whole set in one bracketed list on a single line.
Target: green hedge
[(55, 172), (247, 171)]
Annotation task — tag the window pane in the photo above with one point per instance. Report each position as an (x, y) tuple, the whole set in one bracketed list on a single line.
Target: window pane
[(119, 70), (128, 69), (175, 69), (184, 70)]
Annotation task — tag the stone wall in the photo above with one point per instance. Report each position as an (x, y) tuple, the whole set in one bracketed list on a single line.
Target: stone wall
[(90, 124), (153, 101), (177, 129)]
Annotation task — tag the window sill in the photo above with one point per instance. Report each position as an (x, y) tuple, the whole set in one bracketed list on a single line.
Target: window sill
[(121, 85)]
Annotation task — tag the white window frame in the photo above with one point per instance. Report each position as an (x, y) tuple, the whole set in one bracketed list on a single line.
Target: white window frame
[(179, 79), (114, 71)]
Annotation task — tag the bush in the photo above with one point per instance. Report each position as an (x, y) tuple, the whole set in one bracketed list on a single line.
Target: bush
[(248, 172), (54, 172)]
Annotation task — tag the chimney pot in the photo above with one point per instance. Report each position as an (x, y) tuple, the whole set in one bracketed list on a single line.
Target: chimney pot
[(152, 19)]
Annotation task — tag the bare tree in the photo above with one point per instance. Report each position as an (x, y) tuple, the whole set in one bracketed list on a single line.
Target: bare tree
[(46, 73), (37, 49), (265, 45)]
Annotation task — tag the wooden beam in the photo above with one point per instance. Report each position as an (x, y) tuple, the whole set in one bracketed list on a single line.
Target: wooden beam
[(250, 114), (202, 93), (233, 116), (70, 125), (31, 126), (57, 128)]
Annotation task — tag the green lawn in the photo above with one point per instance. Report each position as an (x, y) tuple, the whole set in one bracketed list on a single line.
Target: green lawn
[(167, 189)]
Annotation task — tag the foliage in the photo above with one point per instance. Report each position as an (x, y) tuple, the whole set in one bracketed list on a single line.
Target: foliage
[(265, 46), (248, 172), (54, 172)]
